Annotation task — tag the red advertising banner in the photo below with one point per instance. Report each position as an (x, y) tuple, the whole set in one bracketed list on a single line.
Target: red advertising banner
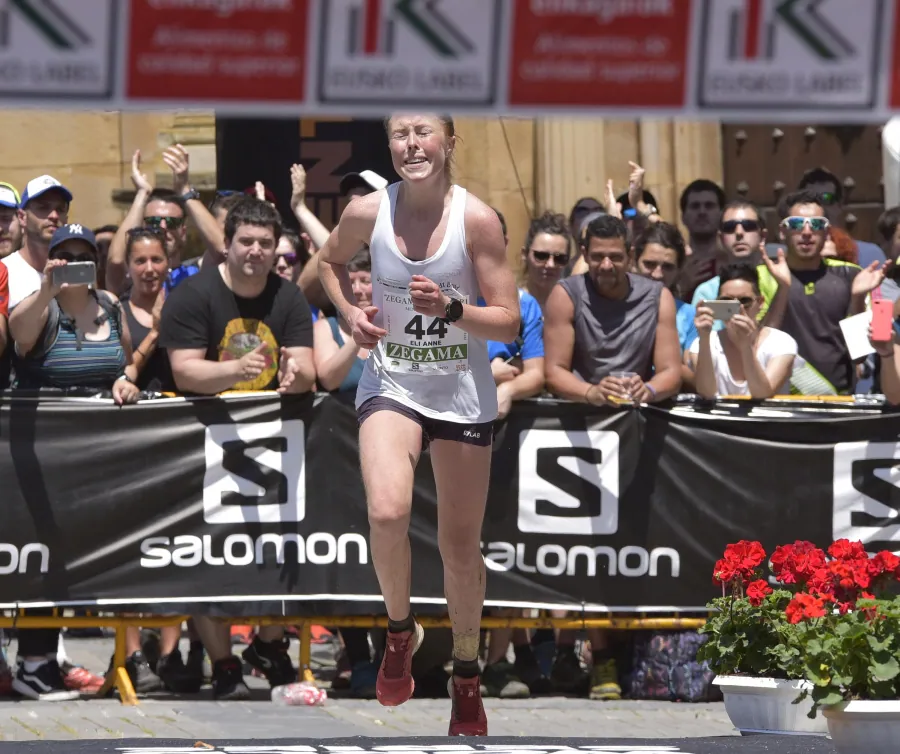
[(600, 54), (200, 51)]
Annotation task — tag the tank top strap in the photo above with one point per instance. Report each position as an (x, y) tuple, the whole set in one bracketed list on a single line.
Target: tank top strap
[(384, 221), (335, 330), (457, 219)]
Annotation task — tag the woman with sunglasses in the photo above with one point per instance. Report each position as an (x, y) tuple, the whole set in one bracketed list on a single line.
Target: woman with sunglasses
[(71, 335), (545, 255), (742, 358), (291, 255), (148, 268)]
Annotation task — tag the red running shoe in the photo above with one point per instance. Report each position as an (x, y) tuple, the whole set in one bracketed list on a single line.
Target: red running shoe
[(395, 683), (80, 679), (467, 717)]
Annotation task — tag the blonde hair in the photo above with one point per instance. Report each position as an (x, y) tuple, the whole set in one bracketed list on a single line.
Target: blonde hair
[(449, 129)]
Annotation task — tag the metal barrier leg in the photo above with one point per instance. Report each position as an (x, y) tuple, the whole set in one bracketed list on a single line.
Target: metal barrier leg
[(117, 675), (305, 635)]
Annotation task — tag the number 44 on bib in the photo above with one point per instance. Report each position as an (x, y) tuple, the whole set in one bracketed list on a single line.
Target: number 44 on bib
[(417, 344)]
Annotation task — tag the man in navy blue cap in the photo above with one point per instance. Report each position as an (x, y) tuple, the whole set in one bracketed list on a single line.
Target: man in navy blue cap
[(10, 228), (44, 209)]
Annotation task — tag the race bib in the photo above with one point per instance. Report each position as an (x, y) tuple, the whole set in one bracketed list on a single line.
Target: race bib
[(419, 344)]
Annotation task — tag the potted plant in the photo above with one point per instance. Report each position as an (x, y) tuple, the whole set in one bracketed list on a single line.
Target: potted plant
[(850, 645), (753, 646)]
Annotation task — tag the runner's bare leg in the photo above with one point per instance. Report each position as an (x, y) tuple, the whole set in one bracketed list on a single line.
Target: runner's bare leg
[(461, 474), (390, 444)]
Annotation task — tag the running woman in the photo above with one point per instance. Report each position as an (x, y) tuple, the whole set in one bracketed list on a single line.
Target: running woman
[(427, 383)]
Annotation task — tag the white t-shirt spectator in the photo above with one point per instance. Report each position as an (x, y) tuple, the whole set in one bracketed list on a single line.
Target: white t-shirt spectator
[(23, 279), (775, 343)]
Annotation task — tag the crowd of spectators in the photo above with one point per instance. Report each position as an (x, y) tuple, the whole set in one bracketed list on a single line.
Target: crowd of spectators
[(617, 308)]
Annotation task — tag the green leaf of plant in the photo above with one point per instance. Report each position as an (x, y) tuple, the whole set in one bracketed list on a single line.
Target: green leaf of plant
[(885, 671), (879, 646), (833, 697)]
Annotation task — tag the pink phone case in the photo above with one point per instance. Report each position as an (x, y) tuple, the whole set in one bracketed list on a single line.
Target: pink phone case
[(882, 320)]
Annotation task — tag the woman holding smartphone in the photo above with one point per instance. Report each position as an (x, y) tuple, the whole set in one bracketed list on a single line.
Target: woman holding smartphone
[(68, 334), (742, 358)]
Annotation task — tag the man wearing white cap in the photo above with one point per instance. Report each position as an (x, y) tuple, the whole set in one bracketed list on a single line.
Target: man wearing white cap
[(10, 228), (362, 183), (44, 208)]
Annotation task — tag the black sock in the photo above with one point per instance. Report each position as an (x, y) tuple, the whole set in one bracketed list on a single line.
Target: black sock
[(466, 668), (565, 649), (196, 646), (524, 653), (600, 656), (398, 626)]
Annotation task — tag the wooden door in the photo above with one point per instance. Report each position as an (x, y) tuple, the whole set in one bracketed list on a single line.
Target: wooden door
[(762, 162)]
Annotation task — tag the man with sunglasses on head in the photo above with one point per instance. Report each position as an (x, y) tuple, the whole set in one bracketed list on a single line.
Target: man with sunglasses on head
[(807, 296)]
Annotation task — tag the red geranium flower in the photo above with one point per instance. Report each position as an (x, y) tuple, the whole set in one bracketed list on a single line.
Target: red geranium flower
[(884, 563), (804, 606), (724, 571), (844, 549), (757, 591), (796, 563)]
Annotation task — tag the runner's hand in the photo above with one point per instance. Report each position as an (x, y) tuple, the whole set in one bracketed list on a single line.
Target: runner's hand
[(363, 331), (779, 269), (427, 297), (635, 185)]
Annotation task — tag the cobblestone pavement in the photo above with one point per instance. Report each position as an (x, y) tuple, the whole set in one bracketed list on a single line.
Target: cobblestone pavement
[(199, 717)]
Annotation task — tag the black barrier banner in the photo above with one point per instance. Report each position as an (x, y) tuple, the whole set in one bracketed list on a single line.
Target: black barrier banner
[(255, 505)]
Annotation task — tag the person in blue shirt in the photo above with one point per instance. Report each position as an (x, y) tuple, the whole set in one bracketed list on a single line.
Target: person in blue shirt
[(742, 238), (659, 254)]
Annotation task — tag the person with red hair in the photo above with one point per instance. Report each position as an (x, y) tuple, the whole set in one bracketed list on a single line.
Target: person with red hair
[(839, 244)]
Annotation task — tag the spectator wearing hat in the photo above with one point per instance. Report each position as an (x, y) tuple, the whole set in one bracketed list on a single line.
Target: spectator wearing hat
[(352, 185), (10, 227), (43, 209), (70, 334)]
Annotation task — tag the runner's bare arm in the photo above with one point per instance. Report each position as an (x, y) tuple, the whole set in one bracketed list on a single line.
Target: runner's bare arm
[(500, 319), (352, 232)]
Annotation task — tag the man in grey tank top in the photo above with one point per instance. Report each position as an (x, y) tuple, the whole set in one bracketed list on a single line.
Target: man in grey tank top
[(610, 335)]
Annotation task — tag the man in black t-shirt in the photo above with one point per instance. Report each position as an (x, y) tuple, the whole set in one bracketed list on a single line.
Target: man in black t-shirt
[(238, 326), (241, 327)]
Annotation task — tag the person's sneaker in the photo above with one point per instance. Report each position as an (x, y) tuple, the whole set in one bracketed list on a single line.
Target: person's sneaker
[(395, 683), (272, 660), (81, 679), (605, 682), (363, 680), (175, 675), (528, 670), (44, 683), (467, 717), (499, 680), (566, 674), (195, 661), (142, 678), (228, 680), (151, 639)]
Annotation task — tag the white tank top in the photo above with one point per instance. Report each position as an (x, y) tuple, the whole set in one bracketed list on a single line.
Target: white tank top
[(424, 362)]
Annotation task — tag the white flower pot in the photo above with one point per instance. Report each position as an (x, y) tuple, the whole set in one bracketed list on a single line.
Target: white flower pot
[(864, 727), (765, 705)]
